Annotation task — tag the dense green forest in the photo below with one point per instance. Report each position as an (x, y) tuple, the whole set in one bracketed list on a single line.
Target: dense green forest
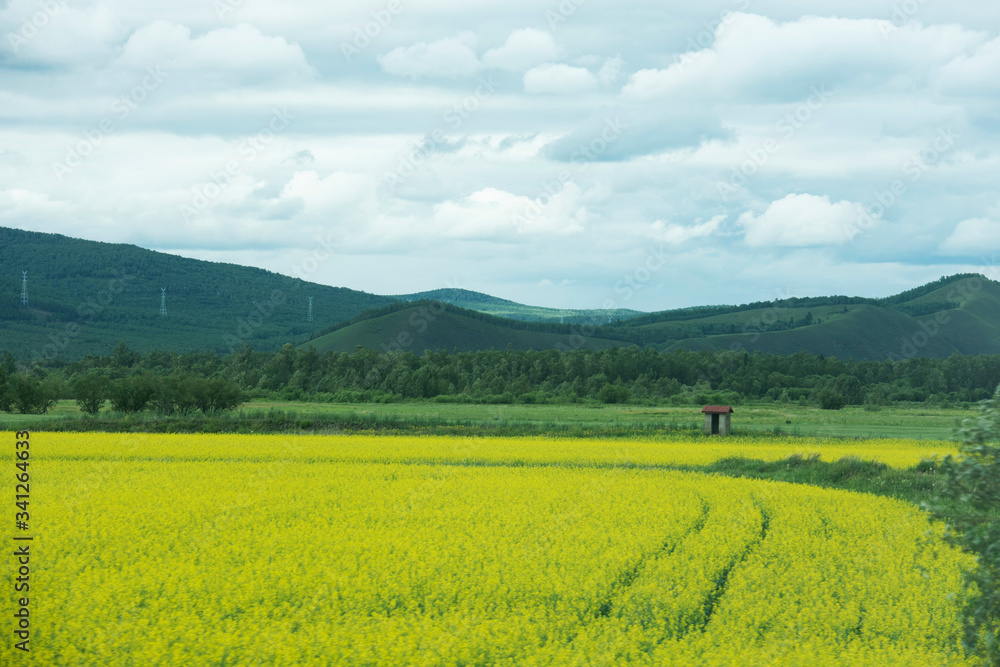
[(207, 381)]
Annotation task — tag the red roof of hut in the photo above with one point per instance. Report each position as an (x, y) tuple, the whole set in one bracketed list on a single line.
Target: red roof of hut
[(716, 409)]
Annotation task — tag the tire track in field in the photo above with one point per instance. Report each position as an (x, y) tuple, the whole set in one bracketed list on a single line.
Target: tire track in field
[(628, 577), (713, 599)]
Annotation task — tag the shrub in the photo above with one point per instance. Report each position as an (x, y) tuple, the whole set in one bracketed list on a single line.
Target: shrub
[(613, 393), (830, 399), (974, 479)]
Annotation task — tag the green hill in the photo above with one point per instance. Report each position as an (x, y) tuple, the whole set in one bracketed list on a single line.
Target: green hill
[(958, 314), (484, 303), (432, 325), (84, 297)]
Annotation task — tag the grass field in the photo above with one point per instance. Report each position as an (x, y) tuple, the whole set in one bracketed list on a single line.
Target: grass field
[(374, 550), (918, 421)]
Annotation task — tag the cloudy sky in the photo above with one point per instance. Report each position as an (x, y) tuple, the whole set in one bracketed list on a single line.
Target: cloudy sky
[(583, 153)]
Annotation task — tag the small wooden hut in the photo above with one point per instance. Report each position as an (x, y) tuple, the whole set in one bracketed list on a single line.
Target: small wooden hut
[(717, 419)]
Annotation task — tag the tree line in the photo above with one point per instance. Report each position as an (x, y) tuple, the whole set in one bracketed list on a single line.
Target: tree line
[(170, 382)]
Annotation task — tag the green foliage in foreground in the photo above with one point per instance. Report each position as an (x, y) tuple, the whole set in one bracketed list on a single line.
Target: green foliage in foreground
[(973, 479)]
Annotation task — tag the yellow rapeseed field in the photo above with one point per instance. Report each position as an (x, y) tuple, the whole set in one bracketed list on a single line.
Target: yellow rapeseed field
[(364, 550), (674, 449)]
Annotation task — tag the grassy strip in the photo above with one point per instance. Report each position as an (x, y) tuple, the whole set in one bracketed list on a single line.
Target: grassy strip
[(917, 485), (290, 421)]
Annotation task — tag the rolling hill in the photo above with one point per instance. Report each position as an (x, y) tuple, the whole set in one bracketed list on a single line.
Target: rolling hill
[(958, 314), (85, 297), (433, 325), (484, 303)]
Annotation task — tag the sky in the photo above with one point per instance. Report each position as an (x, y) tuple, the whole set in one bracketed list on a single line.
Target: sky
[(576, 154)]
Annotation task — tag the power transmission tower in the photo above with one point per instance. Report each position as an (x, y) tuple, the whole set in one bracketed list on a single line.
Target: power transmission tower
[(309, 317), (24, 288), (163, 301)]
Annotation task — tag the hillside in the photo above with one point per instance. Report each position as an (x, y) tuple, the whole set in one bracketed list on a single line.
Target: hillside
[(85, 297), (959, 314), (484, 303), (105, 293), (434, 326)]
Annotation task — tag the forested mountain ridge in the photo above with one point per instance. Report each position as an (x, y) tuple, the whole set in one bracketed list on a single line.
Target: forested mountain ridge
[(84, 297), (954, 315)]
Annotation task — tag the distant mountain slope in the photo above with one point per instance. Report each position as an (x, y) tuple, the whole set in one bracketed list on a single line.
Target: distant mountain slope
[(84, 297), (959, 314), (435, 326), (108, 292), (484, 303)]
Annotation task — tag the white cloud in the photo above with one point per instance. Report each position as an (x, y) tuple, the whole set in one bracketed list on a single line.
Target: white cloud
[(17, 205), (675, 234), (610, 71), (523, 49), (802, 220), (973, 236), (59, 33), (558, 79), (975, 74), (755, 57), (707, 119), (497, 214), (230, 55), (336, 190), (450, 57)]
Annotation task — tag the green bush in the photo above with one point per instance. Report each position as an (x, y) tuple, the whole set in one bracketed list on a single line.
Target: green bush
[(613, 393), (973, 479), (830, 399)]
